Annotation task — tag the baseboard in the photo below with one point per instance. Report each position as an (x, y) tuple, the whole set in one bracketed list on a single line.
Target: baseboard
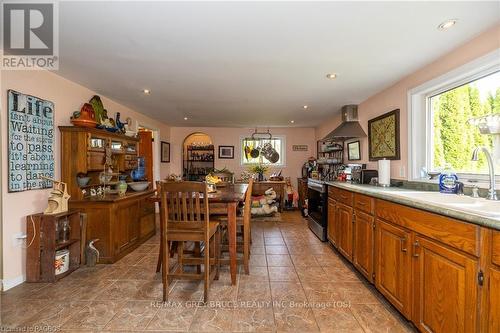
[(11, 283)]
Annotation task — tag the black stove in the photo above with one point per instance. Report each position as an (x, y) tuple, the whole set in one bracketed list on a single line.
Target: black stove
[(317, 195)]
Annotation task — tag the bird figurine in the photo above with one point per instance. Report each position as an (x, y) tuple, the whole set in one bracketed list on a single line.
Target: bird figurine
[(92, 253)]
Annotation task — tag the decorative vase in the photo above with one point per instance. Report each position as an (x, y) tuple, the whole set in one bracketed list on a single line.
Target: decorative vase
[(261, 177), (122, 187), (86, 117), (139, 173)]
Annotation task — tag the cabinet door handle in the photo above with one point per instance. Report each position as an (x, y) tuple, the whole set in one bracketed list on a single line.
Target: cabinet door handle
[(416, 247), (403, 245)]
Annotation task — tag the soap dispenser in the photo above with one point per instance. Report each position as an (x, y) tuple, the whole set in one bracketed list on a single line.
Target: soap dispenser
[(448, 181)]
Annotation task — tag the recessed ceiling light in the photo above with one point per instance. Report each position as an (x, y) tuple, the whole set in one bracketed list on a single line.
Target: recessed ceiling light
[(305, 107), (292, 121), (447, 24), (185, 118), (331, 76), (146, 91)]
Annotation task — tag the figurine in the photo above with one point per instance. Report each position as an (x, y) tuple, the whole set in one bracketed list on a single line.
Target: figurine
[(58, 199), (98, 108), (92, 253), (119, 124)]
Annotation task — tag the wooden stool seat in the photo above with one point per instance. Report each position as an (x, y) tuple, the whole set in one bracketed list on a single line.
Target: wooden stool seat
[(184, 217)]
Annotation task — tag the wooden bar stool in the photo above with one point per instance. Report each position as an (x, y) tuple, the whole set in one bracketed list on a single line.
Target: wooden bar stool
[(184, 217)]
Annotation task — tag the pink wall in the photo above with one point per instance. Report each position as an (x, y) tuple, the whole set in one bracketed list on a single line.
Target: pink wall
[(395, 97), (231, 137), (67, 97)]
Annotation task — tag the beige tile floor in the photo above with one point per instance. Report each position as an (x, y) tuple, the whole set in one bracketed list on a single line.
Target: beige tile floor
[(296, 284)]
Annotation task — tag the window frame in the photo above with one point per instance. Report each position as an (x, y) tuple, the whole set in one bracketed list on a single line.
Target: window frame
[(420, 131), (282, 138)]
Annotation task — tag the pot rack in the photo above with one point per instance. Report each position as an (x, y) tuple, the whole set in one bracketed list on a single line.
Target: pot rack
[(256, 133)]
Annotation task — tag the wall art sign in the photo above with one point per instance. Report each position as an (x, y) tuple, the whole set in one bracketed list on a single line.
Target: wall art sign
[(300, 148), (383, 137), (30, 141)]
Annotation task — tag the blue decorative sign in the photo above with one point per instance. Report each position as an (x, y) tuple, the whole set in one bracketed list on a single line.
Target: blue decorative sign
[(30, 142)]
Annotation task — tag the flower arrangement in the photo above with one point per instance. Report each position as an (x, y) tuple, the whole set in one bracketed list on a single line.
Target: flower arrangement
[(260, 170)]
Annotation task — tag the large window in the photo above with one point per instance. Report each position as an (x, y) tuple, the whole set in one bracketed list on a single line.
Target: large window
[(258, 145), (440, 133), (453, 138)]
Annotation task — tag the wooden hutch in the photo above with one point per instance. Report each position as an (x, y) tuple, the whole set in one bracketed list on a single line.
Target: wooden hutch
[(121, 223)]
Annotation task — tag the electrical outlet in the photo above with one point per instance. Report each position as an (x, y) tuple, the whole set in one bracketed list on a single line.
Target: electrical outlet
[(402, 171), (19, 239)]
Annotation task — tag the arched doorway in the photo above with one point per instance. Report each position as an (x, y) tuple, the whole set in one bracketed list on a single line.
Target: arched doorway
[(198, 156)]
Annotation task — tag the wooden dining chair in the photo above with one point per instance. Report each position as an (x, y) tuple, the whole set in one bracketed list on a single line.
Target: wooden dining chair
[(185, 218), (244, 222)]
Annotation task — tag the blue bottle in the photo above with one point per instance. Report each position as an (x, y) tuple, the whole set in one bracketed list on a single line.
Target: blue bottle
[(448, 181)]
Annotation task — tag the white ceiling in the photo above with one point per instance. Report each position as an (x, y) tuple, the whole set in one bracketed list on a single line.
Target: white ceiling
[(248, 64)]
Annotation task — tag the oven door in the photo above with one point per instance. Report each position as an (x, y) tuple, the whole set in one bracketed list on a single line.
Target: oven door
[(317, 209)]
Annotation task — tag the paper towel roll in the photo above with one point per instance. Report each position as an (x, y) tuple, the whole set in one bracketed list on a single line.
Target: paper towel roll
[(384, 172)]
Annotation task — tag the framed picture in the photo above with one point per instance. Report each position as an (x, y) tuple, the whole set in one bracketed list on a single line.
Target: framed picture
[(165, 152), (353, 151), (383, 137), (226, 152)]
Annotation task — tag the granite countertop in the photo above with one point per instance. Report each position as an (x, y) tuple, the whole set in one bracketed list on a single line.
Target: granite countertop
[(429, 201)]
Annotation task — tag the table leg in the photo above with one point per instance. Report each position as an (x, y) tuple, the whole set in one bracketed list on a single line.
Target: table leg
[(231, 228)]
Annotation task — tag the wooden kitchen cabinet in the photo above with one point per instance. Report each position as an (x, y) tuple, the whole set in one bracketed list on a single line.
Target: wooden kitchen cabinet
[(441, 273), (147, 219), (332, 225), (393, 265), (445, 288), (344, 221), (126, 218), (494, 301), (363, 243), (492, 285)]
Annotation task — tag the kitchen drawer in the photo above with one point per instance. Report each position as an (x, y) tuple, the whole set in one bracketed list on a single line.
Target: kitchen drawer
[(340, 195), (95, 160), (457, 234), (147, 208), (364, 203), (495, 248)]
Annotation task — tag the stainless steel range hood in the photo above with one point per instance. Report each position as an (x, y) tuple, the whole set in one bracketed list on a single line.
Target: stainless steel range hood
[(349, 128)]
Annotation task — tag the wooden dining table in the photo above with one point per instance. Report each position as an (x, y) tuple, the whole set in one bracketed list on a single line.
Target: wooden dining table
[(229, 195)]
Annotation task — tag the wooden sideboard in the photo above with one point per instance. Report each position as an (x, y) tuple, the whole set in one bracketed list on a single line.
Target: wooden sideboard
[(121, 223), (441, 273)]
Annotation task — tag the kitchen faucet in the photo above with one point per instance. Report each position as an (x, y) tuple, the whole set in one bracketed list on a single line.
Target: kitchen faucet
[(492, 194)]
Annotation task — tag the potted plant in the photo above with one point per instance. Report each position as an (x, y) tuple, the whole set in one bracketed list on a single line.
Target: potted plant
[(259, 169)]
